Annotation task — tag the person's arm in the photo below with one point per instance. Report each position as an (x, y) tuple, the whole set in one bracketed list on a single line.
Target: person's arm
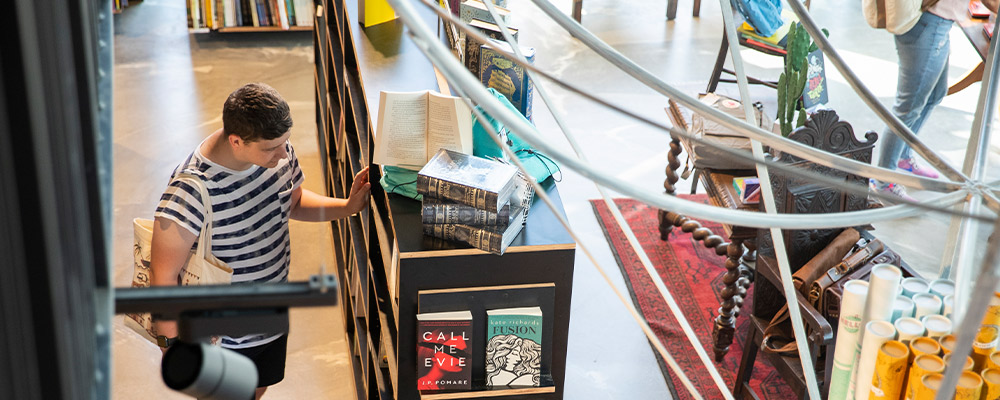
[(171, 247), (310, 206)]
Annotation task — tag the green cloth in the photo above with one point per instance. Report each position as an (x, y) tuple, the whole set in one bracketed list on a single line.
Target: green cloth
[(538, 165), (404, 181), (400, 181)]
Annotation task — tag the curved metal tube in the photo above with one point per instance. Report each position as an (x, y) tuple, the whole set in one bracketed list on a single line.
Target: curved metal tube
[(787, 169), (452, 69), (775, 141)]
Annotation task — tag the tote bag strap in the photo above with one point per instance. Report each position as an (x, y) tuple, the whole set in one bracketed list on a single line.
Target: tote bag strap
[(205, 237)]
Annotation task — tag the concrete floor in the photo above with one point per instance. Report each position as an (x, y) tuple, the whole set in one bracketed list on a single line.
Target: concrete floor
[(169, 89)]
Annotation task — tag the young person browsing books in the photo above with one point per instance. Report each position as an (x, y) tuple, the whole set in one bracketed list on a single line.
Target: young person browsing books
[(255, 186), (923, 81)]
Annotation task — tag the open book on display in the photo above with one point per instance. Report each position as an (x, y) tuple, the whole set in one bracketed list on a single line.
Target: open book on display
[(413, 126)]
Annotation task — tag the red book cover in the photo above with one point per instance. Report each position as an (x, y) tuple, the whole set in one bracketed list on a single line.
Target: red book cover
[(978, 10), (444, 341), (988, 30)]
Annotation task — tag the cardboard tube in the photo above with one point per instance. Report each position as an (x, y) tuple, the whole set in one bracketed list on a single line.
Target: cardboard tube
[(942, 287), (924, 364), (965, 367), (992, 316), (983, 346), (901, 308), (890, 370), (877, 333), (948, 304), (936, 325), (852, 306), (970, 385), (991, 384), (908, 329), (919, 346), (994, 360), (929, 385), (947, 343), (914, 285), (927, 304)]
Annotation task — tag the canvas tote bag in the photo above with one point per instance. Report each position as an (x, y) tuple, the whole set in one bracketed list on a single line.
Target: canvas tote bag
[(895, 16), (201, 268)]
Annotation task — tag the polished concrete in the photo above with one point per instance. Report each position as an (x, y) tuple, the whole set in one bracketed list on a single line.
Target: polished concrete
[(169, 89)]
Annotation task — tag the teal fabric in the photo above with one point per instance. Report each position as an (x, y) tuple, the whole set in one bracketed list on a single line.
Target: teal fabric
[(538, 165), (404, 181), (400, 181)]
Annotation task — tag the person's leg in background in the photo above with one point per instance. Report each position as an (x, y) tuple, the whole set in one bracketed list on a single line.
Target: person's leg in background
[(923, 62)]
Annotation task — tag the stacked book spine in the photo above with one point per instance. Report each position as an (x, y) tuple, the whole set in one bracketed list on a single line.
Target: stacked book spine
[(479, 202)]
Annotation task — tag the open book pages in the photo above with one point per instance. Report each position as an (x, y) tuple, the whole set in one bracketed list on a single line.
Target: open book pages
[(412, 126)]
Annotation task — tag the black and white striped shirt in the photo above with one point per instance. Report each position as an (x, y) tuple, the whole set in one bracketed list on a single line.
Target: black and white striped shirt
[(250, 211)]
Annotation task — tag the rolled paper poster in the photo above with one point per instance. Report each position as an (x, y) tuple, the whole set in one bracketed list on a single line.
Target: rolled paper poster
[(936, 325), (947, 343), (991, 384), (994, 360), (882, 286), (876, 334), (965, 367), (928, 388), (924, 364), (970, 385), (903, 307), (948, 304), (942, 287), (908, 329), (927, 304), (919, 347), (914, 285), (984, 345), (890, 369), (852, 305)]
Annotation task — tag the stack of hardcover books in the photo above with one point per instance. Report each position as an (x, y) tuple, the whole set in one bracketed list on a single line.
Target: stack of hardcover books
[(480, 202)]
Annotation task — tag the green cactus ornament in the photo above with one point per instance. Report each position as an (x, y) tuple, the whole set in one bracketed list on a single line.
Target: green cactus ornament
[(792, 82)]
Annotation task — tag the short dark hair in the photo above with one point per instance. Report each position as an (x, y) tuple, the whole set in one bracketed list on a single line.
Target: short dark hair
[(256, 112)]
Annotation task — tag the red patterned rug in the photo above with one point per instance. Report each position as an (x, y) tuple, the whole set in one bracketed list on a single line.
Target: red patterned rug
[(688, 269)]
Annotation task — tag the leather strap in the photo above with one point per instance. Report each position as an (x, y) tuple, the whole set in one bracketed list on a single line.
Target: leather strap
[(830, 255), (778, 338), (845, 267)]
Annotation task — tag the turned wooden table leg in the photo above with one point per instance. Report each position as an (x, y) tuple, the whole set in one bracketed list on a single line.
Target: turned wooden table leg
[(673, 162), (732, 300), (747, 264)]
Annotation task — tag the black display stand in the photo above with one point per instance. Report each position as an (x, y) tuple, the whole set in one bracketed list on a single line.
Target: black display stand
[(384, 261)]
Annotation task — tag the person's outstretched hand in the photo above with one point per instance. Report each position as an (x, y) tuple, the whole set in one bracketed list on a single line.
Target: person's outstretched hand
[(360, 192)]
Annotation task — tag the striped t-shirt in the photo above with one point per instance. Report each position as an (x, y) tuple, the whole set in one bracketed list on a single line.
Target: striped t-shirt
[(250, 211)]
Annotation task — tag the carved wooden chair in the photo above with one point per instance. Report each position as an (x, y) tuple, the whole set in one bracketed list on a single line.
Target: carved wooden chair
[(825, 131)]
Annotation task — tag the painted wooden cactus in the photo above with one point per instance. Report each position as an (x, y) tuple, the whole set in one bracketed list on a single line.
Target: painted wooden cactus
[(792, 82)]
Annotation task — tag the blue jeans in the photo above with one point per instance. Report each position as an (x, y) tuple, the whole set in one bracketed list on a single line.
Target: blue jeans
[(923, 81)]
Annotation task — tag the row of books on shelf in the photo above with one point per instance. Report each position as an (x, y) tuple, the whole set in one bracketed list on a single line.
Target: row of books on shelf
[(512, 357), (493, 68), (480, 202), (217, 14)]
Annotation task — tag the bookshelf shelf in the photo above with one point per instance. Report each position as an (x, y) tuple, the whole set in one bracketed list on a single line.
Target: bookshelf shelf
[(380, 296), (241, 16), (238, 29)]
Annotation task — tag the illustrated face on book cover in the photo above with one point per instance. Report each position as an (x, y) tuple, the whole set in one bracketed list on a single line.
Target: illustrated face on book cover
[(515, 361)]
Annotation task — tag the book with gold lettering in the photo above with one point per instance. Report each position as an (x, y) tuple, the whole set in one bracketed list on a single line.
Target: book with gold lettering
[(514, 347), (507, 77), (444, 341)]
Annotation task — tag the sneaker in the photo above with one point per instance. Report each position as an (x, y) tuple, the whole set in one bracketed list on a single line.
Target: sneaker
[(892, 190), (910, 165)]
